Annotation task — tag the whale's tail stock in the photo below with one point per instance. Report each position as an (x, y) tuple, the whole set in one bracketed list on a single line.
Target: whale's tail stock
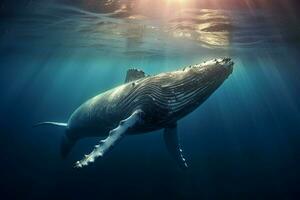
[(66, 143)]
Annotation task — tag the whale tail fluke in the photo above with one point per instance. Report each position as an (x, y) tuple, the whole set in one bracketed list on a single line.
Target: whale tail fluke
[(66, 143)]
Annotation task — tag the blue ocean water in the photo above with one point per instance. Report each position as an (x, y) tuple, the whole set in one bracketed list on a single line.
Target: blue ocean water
[(242, 143)]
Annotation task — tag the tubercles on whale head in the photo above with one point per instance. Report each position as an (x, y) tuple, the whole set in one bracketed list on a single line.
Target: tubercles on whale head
[(223, 62), (224, 65)]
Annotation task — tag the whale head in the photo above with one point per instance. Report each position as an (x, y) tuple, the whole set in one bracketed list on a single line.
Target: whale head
[(217, 67), (194, 84)]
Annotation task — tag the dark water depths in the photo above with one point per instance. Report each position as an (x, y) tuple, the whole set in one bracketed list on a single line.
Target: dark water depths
[(242, 143)]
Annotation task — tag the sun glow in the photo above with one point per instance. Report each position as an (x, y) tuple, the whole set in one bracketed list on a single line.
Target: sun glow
[(177, 1), (181, 20)]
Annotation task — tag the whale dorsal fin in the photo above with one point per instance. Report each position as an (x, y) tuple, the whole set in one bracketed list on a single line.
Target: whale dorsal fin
[(173, 145), (134, 74)]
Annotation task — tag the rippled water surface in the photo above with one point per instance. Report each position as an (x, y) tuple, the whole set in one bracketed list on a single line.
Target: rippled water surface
[(242, 143)]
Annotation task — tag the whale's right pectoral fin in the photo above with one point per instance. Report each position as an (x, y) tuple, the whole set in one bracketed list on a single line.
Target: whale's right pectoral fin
[(113, 138), (173, 145)]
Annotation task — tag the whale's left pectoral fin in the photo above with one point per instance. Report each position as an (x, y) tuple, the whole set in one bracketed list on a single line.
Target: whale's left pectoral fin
[(173, 145), (113, 138)]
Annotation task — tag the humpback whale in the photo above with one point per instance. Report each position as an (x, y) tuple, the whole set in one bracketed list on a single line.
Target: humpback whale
[(143, 104)]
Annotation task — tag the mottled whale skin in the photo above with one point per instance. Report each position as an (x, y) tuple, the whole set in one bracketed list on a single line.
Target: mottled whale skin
[(163, 99)]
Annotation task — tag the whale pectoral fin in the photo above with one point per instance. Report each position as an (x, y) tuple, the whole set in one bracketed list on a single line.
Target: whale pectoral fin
[(173, 145), (113, 138)]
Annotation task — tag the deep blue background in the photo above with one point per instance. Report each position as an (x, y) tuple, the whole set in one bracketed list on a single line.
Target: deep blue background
[(242, 143)]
